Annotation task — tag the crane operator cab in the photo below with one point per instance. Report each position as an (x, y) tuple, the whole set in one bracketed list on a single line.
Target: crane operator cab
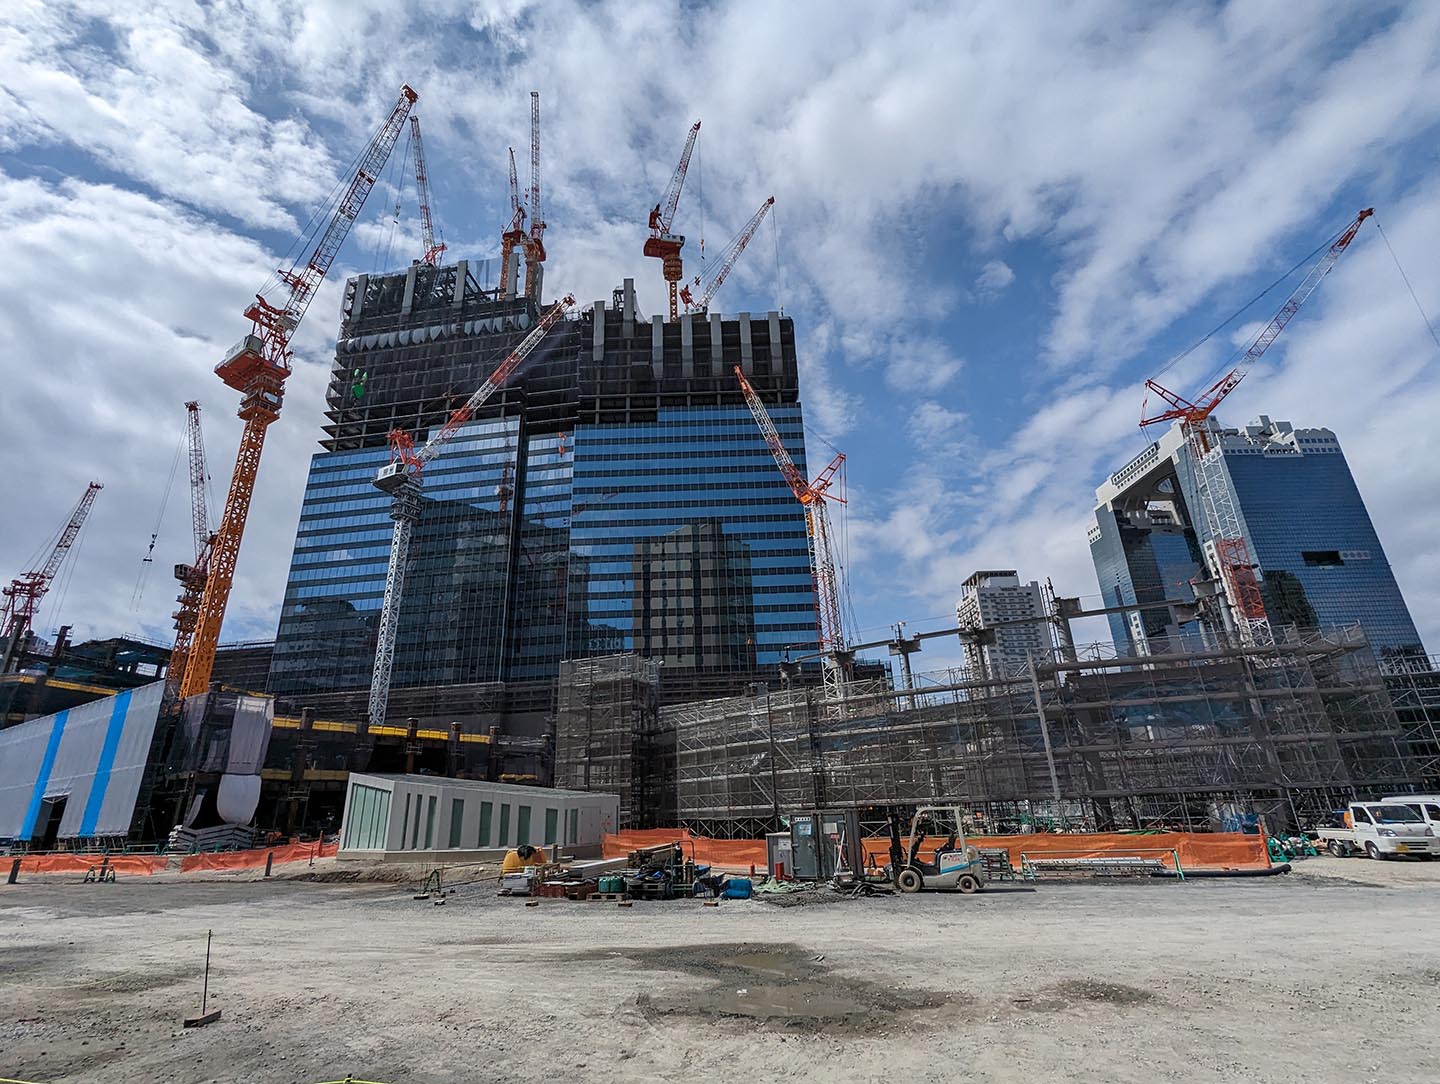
[(948, 863)]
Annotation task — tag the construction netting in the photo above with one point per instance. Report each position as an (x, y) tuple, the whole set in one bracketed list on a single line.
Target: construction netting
[(1219, 851), (133, 865), (254, 859)]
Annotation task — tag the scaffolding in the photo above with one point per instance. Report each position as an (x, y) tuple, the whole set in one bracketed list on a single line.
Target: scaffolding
[(1205, 740), (607, 736)]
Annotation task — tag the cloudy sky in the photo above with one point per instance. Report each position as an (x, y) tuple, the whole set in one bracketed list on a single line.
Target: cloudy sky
[(992, 222)]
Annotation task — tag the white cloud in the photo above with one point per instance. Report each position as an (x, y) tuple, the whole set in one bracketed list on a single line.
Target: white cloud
[(994, 277)]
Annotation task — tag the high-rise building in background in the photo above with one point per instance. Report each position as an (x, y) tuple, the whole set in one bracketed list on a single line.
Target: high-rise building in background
[(1305, 525), (999, 603), (614, 496)]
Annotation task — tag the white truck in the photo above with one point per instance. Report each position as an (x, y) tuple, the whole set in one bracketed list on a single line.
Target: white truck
[(1381, 830)]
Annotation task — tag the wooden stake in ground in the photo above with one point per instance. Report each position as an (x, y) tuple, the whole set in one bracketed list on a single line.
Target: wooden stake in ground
[(205, 1015)]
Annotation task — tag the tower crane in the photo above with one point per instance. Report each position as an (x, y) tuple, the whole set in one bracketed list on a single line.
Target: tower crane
[(192, 576), (662, 244), (535, 250), (813, 497), (433, 250), (23, 596), (727, 261), (401, 478), (257, 367), (1228, 554), (514, 238)]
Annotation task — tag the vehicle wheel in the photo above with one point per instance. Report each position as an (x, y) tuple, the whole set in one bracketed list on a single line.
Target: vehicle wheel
[(1337, 848), (967, 884), (1373, 851), (909, 880)]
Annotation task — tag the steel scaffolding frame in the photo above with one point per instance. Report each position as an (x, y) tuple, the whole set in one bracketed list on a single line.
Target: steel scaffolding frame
[(1284, 731)]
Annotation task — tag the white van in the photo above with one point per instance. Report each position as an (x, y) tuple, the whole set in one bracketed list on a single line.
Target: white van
[(1381, 830), (1427, 805)]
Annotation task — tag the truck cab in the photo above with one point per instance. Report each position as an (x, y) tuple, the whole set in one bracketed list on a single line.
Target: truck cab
[(1385, 829), (1427, 805)]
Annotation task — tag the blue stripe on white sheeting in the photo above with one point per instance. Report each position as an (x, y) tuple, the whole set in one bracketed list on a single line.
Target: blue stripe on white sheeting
[(107, 761), (47, 764)]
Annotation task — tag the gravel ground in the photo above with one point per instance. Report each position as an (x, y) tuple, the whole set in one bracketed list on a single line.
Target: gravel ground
[(1136, 981)]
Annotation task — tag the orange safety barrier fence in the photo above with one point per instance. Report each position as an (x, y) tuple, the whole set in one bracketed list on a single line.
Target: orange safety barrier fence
[(131, 865), (1196, 850), (255, 859), (740, 853)]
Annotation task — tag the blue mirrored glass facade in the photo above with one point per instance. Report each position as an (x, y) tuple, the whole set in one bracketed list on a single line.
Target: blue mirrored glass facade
[(615, 496)]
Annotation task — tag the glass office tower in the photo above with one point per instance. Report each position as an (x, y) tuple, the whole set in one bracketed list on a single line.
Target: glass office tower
[(615, 496), (1305, 524)]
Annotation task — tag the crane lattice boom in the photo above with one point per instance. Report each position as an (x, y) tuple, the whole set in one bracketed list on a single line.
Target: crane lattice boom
[(257, 367), (401, 478), (537, 219), (664, 213), (199, 500), (433, 251), (192, 576), (23, 596), (1228, 553), (727, 261)]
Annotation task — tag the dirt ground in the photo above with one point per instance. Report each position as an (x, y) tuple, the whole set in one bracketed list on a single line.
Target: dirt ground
[(1326, 974)]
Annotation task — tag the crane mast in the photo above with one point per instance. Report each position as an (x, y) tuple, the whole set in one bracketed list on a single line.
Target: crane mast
[(535, 249), (433, 251), (257, 367), (401, 478), (814, 498), (23, 596), (1226, 551), (662, 244), (191, 576), (727, 261)]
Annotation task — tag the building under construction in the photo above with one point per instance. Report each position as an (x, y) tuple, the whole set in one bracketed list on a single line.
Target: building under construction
[(1209, 740)]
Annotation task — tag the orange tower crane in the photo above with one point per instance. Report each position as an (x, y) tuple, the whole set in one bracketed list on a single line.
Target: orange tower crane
[(23, 596), (814, 498), (257, 367), (662, 244), (433, 249), (1227, 552), (192, 576), (726, 262)]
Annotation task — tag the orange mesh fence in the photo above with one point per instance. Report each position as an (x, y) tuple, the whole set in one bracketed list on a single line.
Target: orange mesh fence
[(255, 859), (1196, 850), (739, 853), (130, 865)]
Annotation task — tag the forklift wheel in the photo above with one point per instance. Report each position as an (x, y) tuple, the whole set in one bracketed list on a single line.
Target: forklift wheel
[(968, 885), (909, 880)]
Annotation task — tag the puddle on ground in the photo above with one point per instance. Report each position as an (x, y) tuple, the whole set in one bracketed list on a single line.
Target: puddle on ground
[(778, 985), (1064, 995)]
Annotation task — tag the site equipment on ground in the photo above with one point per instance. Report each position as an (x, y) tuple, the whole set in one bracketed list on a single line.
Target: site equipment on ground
[(1381, 830), (954, 866)]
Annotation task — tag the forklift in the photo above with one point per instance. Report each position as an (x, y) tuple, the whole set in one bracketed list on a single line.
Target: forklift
[(954, 867)]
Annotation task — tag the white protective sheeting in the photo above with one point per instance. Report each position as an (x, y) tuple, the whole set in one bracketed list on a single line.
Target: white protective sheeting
[(237, 798)]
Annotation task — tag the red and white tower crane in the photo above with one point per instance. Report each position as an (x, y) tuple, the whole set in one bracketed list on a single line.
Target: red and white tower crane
[(257, 367), (192, 576), (433, 249), (662, 244), (23, 596), (732, 251), (814, 498), (535, 250), (514, 239), (1226, 549), (401, 479)]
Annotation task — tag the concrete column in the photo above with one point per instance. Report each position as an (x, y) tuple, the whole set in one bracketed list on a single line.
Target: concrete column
[(774, 318), (687, 346), (597, 347), (362, 283), (717, 343), (462, 275), (657, 346), (627, 311), (747, 350), (408, 301)]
